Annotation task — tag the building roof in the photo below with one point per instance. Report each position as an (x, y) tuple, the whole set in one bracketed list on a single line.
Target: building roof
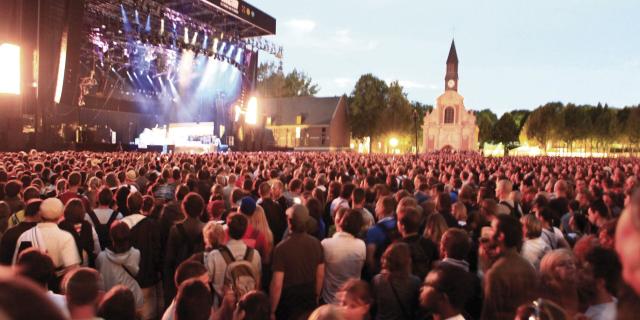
[(453, 55), (284, 111)]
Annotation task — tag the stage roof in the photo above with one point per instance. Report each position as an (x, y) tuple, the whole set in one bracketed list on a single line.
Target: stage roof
[(247, 20)]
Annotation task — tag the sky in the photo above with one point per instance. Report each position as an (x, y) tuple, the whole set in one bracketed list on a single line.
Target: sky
[(514, 54)]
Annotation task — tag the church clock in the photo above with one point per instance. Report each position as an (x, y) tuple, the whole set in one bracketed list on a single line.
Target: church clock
[(451, 83)]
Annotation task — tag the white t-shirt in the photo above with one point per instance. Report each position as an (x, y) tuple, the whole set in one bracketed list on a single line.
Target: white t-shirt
[(57, 243), (534, 249), (344, 257)]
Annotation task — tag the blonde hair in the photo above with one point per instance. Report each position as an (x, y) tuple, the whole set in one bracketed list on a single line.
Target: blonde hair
[(436, 227), (533, 226), (213, 234), (551, 260), (460, 211), (258, 220)]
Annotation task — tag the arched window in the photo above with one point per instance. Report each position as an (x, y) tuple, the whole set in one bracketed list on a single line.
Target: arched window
[(448, 115)]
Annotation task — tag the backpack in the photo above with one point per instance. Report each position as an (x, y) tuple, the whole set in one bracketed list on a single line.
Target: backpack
[(513, 210), (103, 229), (190, 246), (391, 234), (239, 275)]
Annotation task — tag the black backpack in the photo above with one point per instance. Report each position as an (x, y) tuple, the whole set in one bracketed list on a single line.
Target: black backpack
[(513, 210), (190, 246), (103, 229)]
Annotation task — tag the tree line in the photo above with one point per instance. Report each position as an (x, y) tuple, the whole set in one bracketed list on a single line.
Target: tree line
[(377, 109)]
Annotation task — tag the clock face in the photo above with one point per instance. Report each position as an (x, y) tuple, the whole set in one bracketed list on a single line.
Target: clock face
[(451, 83)]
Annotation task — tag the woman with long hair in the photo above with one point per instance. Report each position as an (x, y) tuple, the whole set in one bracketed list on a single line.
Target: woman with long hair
[(395, 288), (258, 220), (558, 279), (356, 299), (436, 226)]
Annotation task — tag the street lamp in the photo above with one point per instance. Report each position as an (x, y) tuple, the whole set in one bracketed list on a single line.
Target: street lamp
[(393, 142)]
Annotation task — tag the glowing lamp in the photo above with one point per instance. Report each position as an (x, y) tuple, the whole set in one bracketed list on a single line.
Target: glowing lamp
[(10, 66)]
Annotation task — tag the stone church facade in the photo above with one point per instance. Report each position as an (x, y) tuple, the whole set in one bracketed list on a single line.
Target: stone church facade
[(450, 125)]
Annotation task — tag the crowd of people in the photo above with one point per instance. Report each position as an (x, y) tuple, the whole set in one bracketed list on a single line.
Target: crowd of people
[(132, 235)]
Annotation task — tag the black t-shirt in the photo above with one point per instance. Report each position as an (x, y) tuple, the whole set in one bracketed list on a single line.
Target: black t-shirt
[(423, 253), (9, 240)]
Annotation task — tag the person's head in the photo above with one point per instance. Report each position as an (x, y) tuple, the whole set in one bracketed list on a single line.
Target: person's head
[(253, 305), (346, 191), (134, 202), (83, 287), (237, 224), (435, 227), (75, 179), (607, 234), (627, 243), (443, 202), (51, 210), (215, 209), (31, 192), (297, 217), (193, 205), (277, 188), (445, 289), (385, 207), (328, 312), (193, 301), (358, 197), (409, 220), (264, 190), (32, 209), (105, 197), (356, 299), (120, 235), (247, 206), (598, 213), (74, 211), (558, 266), (605, 268), (507, 232), (213, 234), (35, 265), (531, 226), (190, 269), (488, 208), (351, 222), (503, 189), (455, 244), (12, 188), (18, 296), (396, 259), (118, 304)]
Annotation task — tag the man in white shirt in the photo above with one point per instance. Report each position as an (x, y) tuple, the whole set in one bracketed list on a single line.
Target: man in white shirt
[(47, 237), (358, 199), (344, 254)]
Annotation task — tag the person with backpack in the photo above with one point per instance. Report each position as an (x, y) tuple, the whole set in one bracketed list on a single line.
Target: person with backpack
[(185, 239), (119, 264), (423, 251), (86, 238), (381, 234), (234, 265), (103, 216), (145, 236)]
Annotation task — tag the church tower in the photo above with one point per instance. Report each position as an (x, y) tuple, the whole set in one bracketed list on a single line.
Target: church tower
[(451, 78)]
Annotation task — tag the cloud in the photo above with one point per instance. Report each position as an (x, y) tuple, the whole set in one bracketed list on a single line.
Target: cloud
[(408, 84), (343, 82), (300, 25)]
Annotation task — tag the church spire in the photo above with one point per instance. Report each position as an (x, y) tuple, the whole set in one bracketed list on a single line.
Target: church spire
[(453, 55), (451, 78)]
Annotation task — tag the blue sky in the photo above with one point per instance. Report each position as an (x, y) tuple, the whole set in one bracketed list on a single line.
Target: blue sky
[(513, 53)]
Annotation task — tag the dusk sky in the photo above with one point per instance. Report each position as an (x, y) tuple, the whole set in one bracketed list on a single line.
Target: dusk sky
[(513, 53)]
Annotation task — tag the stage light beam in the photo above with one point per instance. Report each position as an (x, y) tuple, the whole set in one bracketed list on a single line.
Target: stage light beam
[(251, 116), (147, 27), (194, 39), (162, 26), (10, 66), (61, 65), (186, 35), (214, 48)]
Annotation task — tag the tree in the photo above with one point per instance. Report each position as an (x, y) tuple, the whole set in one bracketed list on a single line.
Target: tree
[(542, 123), (631, 127), (398, 114), (272, 82), (520, 117), (506, 131), (420, 110), (366, 106), (485, 119)]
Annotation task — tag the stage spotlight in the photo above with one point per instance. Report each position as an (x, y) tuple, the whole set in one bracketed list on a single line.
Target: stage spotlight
[(230, 51), (195, 38), (137, 17), (10, 66), (239, 56), (251, 116), (186, 35), (147, 28), (224, 44), (61, 65), (204, 42), (162, 26), (215, 45)]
